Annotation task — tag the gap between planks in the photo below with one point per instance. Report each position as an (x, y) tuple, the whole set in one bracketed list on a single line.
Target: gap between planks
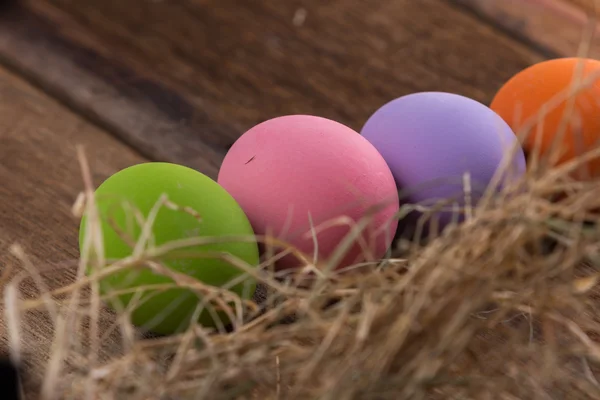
[(556, 28)]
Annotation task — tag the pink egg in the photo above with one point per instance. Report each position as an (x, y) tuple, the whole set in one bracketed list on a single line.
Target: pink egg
[(290, 171)]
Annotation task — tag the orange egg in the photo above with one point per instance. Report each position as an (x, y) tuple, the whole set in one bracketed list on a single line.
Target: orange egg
[(520, 102)]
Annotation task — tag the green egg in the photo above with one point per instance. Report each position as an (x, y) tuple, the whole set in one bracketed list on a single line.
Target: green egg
[(218, 215)]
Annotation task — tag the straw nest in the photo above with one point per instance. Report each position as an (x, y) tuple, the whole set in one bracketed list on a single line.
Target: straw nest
[(502, 306)]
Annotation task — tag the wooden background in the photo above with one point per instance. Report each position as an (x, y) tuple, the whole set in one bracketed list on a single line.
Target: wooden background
[(179, 81)]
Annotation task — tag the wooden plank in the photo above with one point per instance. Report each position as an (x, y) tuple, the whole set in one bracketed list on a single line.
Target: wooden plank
[(556, 27), (590, 7), (40, 179), (181, 80), (141, 112)]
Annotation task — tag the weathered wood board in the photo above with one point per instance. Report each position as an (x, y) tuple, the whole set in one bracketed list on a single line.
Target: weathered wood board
[(181, 80), (557, 28)]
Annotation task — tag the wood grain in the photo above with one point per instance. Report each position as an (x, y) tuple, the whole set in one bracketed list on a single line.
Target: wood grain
[(40, 179), (558, 28), (181, 80), (139, 111)]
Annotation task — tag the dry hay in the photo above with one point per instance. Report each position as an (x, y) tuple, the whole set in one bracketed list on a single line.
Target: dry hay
[(502, 306), (483, 311)]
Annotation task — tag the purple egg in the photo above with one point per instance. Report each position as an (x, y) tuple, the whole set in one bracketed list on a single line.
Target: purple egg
[(431, 139)]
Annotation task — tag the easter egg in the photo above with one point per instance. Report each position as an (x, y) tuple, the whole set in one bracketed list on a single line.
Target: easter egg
[(545, 86), (203, 209), (430, 140), (305, 179)]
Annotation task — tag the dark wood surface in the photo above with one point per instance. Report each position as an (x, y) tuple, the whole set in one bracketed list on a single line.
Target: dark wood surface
[(180, 80)]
